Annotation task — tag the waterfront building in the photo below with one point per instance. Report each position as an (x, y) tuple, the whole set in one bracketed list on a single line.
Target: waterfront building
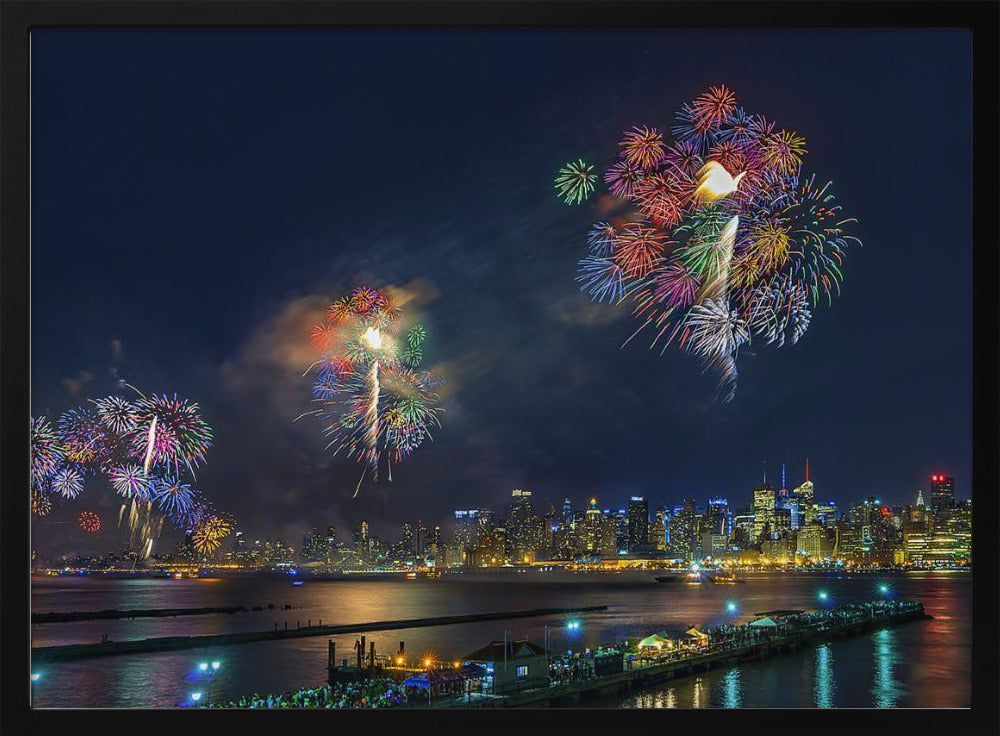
[(812, 540), (951, 541), (942, 491), (712, 545), (638, 524), (781, 549), (511, 666)]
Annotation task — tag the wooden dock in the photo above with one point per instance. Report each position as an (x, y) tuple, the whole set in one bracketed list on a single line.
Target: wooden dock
[(172, 643)]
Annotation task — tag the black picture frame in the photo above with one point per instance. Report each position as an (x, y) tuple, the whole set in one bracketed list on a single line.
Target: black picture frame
[(18, 18)]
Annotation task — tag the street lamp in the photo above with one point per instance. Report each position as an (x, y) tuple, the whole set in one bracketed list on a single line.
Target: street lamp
[(731, 607), (215, 665), (822, 595), (196, 696), (883, 589), (203, 666)]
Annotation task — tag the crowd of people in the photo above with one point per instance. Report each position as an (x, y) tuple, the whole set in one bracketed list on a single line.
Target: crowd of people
[(377, 692), (384, 692)]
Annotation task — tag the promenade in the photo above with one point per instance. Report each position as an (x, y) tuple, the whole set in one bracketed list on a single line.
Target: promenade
[(727, 645)]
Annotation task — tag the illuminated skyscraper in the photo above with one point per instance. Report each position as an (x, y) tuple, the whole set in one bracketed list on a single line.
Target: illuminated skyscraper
[(763, 511), (942, 491)]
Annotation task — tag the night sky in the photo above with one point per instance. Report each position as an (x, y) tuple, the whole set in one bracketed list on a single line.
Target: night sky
[(199, 196)]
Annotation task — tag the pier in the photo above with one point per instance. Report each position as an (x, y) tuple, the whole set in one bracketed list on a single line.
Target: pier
[(639, 674), (173, 643)]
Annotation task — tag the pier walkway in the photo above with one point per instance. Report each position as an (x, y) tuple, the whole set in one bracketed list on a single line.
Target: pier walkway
[(737, 646), (172, 643)]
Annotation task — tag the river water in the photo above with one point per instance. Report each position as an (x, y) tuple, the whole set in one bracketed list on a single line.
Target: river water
[(919, 664)]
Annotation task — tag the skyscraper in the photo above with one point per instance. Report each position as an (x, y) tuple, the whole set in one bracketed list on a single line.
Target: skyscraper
[(763, 511), (942, 492), (638, 524), (683, 531)]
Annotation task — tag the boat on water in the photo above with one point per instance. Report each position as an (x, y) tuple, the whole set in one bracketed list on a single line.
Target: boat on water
[(697, 577), (725, 578), (668, 578)]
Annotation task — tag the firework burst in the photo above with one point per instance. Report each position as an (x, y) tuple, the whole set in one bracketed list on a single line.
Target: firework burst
[(41, 504), (169, 432), (642, 147), (68, 482), (637, 249), (89, 522), (575, 182), (130, 482), (376, 404), (728, 241), (47, 452), (209, 535), (601, 239)]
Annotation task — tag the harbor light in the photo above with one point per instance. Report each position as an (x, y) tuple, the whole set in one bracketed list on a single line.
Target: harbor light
[(196, 696), (203, 666), (216, 664), (399, 660), (427, 663)]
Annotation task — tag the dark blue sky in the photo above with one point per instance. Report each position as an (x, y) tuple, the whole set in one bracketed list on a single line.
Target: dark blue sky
[(194, 193)]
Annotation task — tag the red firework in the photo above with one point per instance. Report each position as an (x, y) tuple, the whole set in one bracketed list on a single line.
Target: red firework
[(661, 197), (90, 522), (323, 337), (637, 249), (712, 107), (731, 155)]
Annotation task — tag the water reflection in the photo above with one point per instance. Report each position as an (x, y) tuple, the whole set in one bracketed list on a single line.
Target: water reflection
[(731, 689), (696, 697), (823, 685), (885, 692), (923, 663)]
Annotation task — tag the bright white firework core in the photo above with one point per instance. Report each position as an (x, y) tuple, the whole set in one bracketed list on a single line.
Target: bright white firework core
[(373, 337)]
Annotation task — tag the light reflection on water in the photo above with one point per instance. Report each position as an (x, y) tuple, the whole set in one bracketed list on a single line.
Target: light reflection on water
[(885, 692), (921, 664), (824, 685), (732, 689)]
